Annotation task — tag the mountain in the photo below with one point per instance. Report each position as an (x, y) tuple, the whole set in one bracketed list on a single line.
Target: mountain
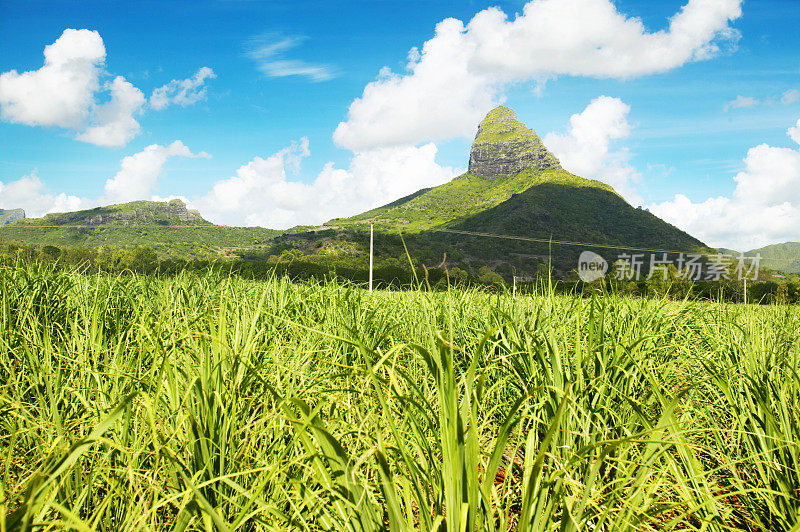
[(515, 187), (10, 215), (169, 227), (506, 158), (782, 257)]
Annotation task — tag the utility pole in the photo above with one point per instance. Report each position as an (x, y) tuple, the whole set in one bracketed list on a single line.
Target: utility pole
[(745, 290), (370, 254)]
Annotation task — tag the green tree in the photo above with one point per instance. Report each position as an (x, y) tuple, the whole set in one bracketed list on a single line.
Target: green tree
[(457, 275), (487, 276), (140, 259)]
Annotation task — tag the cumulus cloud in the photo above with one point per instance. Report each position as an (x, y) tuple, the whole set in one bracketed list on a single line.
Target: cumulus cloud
[(183, 92), (460, 73), (61, 92), (585, 149), (763, 209), (264, 193), (268, 53), (136, 180), (66, 92), (114, 123), (139, 173), (30, 193), (794, 132)]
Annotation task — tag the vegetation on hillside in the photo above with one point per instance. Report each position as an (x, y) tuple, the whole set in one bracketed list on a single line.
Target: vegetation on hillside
[(215, 403), (501, 125), (459, 199), (566, 211), (784, 257), (176, 241), (169, 228)]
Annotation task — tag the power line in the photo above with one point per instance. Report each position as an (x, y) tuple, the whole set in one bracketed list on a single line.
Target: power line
[(561, 242), (766, 260)]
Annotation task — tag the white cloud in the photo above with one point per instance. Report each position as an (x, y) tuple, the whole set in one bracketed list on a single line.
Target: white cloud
[(262, 193), (763, 209), (459, 74), (794, 132), (183, 92), (585, 149), (139, 173), (66, 90), (741, 102), (136, 179), (114, 122), (267, 52), (791, 96), (61, 92), (31, 194)]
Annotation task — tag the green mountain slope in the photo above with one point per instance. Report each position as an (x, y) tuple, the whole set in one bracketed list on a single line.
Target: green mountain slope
[(782, 257), (170, 228), (461, 198), (569, 211)]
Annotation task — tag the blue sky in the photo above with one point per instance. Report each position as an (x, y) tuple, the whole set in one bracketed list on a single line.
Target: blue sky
[(256, 138)]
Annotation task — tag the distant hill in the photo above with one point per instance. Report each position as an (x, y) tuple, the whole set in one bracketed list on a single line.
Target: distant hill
[(169, 227), (782, 257), (10, 215)]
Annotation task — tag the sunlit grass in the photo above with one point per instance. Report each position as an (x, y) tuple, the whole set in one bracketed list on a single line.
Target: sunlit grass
[(215, 403)]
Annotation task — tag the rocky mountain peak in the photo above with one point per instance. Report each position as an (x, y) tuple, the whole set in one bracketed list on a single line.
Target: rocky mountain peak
[(505, 146), (11, 215), (162, 213)]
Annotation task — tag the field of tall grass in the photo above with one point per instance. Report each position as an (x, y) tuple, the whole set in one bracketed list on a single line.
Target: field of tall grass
[(203, 402)]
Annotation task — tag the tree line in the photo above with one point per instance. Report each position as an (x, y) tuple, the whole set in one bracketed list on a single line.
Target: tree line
[(390, 272)]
